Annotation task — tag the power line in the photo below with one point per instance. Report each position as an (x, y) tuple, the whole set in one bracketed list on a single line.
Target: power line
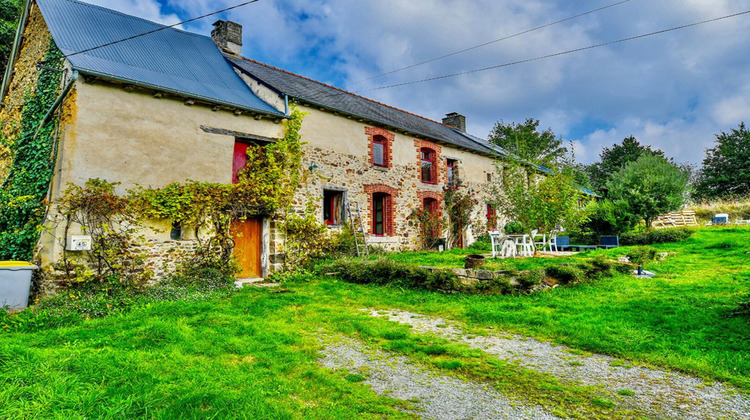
[(491, 42), (513, 63), (162, 28)]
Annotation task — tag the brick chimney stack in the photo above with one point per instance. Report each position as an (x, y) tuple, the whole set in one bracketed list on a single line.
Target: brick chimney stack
[(227, 35), (455, 120)]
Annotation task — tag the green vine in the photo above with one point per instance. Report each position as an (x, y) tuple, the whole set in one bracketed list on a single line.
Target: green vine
[(459, 204), (22, 195)]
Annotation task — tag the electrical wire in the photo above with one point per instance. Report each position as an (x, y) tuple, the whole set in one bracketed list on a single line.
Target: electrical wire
[(492, 42), (513, 63), (162, 28)]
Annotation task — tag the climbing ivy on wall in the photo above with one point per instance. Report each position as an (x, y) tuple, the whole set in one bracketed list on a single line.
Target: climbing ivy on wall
[(22, 195)]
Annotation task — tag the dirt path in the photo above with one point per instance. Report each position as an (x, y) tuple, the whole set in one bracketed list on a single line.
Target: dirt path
[(433, 396), (661, 393)]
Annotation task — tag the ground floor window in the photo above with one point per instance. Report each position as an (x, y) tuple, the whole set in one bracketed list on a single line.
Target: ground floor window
[(380, 214), (333, 207), (431, 205)]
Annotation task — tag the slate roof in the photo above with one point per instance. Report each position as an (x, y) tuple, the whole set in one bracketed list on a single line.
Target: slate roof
[(327, 96), (172, 60)]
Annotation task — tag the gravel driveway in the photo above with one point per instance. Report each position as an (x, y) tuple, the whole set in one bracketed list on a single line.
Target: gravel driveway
[(660, 393), (435, 396)]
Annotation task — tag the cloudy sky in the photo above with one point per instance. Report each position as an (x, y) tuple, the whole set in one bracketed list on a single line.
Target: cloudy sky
[(673, 91)]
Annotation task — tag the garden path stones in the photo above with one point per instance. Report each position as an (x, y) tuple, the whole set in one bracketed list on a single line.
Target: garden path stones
[(433, 395), (661, 393)]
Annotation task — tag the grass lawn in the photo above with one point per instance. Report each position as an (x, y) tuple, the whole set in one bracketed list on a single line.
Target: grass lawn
[(254, 355)]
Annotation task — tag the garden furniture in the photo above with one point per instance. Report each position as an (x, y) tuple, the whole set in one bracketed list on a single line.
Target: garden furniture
[(502, 245), (608, 242), (524, 244), (563, 244)]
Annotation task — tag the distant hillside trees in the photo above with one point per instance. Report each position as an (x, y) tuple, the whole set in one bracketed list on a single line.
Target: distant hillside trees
[(726, 168)]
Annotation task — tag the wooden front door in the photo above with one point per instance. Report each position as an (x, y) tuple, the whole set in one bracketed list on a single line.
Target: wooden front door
[(247, 235)]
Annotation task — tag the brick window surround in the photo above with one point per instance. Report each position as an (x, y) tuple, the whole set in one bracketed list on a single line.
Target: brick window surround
[(387, 138), (388, 209), (438, 197), (437, 170)]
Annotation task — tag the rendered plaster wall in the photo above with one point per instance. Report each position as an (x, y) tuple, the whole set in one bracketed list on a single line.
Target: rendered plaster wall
[(135, 138)]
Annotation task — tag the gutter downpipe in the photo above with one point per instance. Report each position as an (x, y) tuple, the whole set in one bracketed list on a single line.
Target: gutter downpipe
[(68, 87), (57, 103), (286, 105), (16, 45)]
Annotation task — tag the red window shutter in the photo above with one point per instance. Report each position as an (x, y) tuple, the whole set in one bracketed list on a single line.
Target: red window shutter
[(239, 160), (388, 215)]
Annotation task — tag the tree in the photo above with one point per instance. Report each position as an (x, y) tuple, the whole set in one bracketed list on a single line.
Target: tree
[(726, 167), (650, 186), (543, 202), (612, 160), (526, 142), (10, 10)]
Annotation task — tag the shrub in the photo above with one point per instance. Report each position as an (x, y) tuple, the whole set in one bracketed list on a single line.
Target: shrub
[(482, 243), (566, 273), (609, 218), (656, 236), (531, 278), (88, 300), (384, 271)]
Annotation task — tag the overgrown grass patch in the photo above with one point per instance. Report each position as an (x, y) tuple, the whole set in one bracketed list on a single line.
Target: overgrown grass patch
[(255, 354)]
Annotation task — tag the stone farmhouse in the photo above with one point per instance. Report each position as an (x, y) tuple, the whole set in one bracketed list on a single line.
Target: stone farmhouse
[(174, 106)]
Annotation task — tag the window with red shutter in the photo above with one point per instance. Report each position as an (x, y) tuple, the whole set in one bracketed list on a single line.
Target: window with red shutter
[(382, 214), (429, 166), (239, 159)]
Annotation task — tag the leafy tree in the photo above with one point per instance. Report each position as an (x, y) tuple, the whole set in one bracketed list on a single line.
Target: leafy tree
[(607, 217), (726, 167), (542, 203), (612, 160), (526, 142), (10, 11), (650, 186)]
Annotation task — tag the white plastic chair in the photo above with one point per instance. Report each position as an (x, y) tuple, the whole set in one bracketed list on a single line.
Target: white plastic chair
[(527, 243), (502, 245)]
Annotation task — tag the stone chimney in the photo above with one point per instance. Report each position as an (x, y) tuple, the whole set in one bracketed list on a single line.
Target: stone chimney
[(455, 120), (227, 35)]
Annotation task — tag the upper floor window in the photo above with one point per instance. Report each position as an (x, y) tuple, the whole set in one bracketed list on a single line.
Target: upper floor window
[(452, 172), (429, 166), (379, 151)]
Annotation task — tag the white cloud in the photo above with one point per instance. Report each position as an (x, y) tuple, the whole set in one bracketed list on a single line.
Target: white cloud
[(673, 91)]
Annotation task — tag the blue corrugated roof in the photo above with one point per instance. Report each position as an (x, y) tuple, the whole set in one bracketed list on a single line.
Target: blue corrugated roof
[(171, 59)]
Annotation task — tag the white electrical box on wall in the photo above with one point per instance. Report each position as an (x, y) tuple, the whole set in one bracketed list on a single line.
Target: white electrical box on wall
[(78, 243)]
